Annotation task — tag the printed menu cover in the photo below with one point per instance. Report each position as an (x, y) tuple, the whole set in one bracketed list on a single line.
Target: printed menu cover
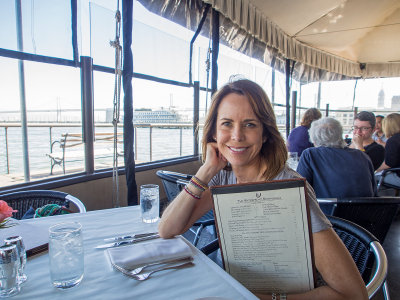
[(264, 235)]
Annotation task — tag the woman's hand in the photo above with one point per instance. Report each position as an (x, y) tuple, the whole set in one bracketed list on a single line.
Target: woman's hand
[(214, 163)]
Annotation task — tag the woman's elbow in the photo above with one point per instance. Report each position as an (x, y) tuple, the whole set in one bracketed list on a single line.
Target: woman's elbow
[(165, 231)]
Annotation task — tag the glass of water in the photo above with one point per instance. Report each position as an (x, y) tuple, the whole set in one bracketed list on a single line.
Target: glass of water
[(293, 160), (66, 254), (150, 203)]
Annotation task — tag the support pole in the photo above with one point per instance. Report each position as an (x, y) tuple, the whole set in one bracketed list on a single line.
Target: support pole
[(273, 87), (196, 107), (21, 73), (294, 108), (215, 51), (319, 95), (327, 110), (288, 73), (87, 112)]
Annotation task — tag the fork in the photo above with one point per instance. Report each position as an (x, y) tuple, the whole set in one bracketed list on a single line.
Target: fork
[(179, 260), (145, 276)]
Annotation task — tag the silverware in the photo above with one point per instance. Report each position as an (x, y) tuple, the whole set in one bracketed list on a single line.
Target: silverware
[(125, 237), (128, 242), (164, 262), (145, 276)]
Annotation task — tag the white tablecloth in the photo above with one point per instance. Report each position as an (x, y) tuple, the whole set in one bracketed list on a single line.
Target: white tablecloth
[(101, 281)]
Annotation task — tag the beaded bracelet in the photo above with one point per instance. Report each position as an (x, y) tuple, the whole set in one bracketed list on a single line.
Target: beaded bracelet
[(198, 183), (190, 193)]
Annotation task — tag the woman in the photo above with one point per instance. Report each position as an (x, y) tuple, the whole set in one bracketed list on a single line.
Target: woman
[(299, 139), (391, 128), (332, 169), (241, 143)]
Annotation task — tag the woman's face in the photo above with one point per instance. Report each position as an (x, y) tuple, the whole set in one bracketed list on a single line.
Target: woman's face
[(239, 133)]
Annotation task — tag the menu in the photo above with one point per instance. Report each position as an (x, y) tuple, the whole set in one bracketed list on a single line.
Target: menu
[(264, 235), (35, 236)]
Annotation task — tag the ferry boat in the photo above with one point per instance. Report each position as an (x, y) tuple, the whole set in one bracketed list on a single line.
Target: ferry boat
[(56, 55)]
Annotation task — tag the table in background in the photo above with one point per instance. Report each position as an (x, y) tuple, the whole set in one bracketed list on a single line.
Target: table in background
[(101, 281)]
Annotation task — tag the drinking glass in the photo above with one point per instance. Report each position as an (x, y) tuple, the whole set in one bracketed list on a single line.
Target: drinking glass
[(149, 203), (19, 244), (9, 263), (293, 160), (66, 254)]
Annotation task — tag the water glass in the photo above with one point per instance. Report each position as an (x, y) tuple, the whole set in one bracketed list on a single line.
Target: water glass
[(149, 203), (9, 264), (19, 244), (293, 160), (66, 254)]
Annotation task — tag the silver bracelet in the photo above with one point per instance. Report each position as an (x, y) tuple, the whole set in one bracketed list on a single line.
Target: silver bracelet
[(282, 296), (273, 295)]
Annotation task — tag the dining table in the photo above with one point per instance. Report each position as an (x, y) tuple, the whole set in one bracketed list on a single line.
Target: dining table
[(204, 280)]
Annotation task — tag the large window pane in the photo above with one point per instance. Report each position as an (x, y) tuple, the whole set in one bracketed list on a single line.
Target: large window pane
[(169, 111), (103, 119), (53, 109), (46, 27)]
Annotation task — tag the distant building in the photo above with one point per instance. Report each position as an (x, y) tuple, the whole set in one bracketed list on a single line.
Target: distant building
[(148, 116), (381, 99), (395, 103)]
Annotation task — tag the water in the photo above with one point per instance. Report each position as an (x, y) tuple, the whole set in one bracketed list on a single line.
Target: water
[(165, 144), (150, 203), (66, 256)]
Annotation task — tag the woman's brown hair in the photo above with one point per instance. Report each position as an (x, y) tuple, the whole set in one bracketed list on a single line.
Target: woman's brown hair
[(273, 151), (309, 116), (391, 124)]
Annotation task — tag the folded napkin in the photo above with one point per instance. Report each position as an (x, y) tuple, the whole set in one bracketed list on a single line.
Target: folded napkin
[(132, 256)]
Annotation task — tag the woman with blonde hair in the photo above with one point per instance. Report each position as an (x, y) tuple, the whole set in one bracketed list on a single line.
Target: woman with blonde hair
[(299, 138), (241, 143), (391, 128)]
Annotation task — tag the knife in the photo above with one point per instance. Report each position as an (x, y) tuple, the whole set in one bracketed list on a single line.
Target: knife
[(125, 237), (128, 242)]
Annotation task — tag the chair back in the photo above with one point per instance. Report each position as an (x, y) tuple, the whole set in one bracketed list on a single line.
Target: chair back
[(173, 182), (24, 200), (367, 253), (375, 214)]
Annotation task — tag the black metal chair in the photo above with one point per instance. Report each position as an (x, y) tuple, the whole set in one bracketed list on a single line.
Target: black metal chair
[(364, 247), (390, 179), (367, 253), (24, 200), (174, 183), (375, 214)]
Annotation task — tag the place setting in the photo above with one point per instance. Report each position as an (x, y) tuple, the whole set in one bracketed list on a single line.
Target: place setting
[(140, 255)]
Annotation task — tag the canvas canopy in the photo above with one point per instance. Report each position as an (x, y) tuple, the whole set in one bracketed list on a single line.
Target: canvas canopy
[(328, 40)]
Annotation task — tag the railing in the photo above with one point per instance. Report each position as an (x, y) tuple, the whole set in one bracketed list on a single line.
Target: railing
[(179, 126), (51, 126)]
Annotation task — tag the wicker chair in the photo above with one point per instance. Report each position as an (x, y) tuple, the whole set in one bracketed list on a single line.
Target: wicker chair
[(24, 200), (173, 183), (375, 214), (367, 253)]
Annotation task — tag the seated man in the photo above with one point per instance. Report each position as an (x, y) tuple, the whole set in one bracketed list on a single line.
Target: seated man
[(364, 125), (334, 170)]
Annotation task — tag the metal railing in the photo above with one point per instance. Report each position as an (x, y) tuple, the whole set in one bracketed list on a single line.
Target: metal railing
[(52, 138)]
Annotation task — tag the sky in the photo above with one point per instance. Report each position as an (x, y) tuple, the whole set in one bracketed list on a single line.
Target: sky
[(161, 54)]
